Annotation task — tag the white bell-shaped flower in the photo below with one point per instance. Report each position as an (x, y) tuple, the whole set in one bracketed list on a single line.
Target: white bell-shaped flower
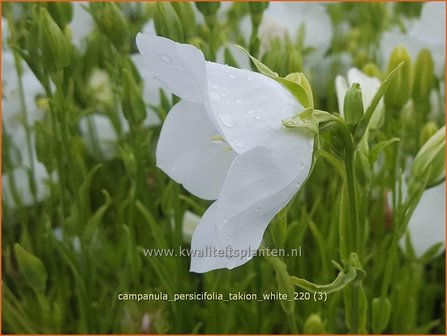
[(225, 141)]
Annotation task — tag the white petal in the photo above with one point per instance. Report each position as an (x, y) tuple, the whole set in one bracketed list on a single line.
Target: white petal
[(249, 107), (260, 182), (369, 85), (341, 87), (187, 153), (427, 224), (205, 243), (180, 67)]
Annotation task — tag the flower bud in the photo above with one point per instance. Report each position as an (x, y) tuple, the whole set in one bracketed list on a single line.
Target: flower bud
[(113, 24), (301, 80), (62, 12), (134, 108), (167, 22), (295, 61), (129, 159), (423, 77), (427, 132), (44, 145), (32, 268), (209, 12), (314, 325), (186, 15), (371, 70), (431, 154), (353, 104), (399, 90), (52, 42), (256, 11)]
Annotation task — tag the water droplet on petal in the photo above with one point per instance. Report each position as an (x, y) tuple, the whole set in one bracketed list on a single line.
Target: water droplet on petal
[(249, 78), (165, 58), (223, 94), (257, 209), (302, 166), (226, 120), (251, 111), (215, 95), (232, 76), (215, 87), (258, 117), (239, 101), (298, 185)]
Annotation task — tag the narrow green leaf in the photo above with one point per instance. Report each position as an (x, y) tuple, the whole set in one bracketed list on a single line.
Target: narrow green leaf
[(377, 149), (364, 122), (339, 283), (32, 268)]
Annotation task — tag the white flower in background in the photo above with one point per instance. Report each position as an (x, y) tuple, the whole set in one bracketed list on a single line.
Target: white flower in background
[(428, 32), (427, 224), (282, 18), (225, 141), (23, 159), (189, 223), (369, 86), (82, 23)]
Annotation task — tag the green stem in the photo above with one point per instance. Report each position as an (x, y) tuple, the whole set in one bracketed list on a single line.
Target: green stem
[(291, 320)]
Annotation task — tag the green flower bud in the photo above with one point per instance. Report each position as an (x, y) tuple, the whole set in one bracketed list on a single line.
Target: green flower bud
[(209, 12), (371, 70), (399, 90), (32, 268), (114, 25), (314, 325), (353, 104), (427, 132), (431, 154), (62, 12), (44, 144), (256, 11), (423, 77), (134, 108), (295, 61), (167, 22), (301, 80), (129, 159), (52, 42), (187, 18)]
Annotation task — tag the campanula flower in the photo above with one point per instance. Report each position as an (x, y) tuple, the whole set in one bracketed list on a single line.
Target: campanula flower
[(225, 141)]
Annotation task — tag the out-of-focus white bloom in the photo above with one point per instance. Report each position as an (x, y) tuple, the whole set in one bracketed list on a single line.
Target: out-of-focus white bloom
[(369, 86), (189, 224), (99, 86), (428, 32), (225, 141), (427, 224), (81, 25)]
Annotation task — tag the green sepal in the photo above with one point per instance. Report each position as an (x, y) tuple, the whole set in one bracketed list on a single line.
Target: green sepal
[(297, 90)]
